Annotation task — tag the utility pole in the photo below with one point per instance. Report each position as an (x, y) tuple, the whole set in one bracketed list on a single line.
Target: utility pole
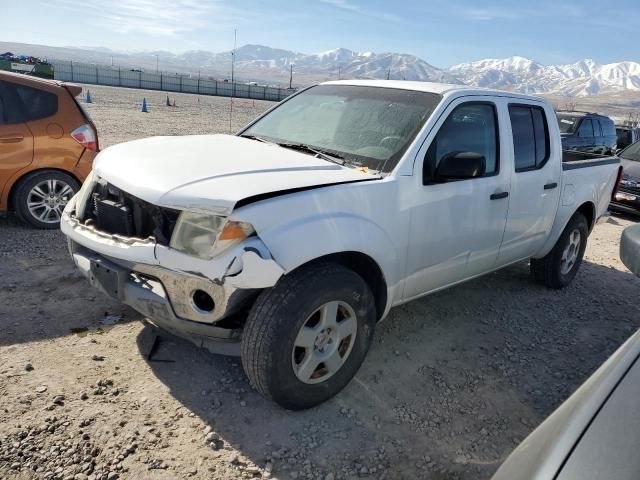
[(233, 53), (233, 85), (339, 68), (290, 76), (389, 73)]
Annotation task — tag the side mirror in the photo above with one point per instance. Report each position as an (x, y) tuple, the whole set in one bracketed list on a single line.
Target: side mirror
[(460, 166)]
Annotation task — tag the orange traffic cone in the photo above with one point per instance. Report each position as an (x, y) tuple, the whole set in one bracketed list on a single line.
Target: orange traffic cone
[(174, 102)]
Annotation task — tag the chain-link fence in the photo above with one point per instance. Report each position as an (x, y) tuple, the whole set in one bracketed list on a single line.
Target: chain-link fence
[(170, 82)]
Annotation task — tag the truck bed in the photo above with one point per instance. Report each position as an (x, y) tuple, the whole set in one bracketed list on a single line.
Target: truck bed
[(572, 159)]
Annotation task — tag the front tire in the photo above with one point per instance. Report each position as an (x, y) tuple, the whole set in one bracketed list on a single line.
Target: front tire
[(306, 337), (41, 197), (558, 268)]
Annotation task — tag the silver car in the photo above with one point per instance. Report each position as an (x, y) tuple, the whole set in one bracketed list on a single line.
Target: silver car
[(595, 434)]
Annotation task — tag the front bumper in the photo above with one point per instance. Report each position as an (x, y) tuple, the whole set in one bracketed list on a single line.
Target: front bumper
[(626, 201), (148, 295), (626, 207)]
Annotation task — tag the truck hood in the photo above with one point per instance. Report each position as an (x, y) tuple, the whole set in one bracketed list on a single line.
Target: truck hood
[(211, 173)]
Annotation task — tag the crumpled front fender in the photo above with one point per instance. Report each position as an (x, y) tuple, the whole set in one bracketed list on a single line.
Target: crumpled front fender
[(249, 265), (253, 268)]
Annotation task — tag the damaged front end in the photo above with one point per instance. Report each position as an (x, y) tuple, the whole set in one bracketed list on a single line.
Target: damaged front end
[(122, 244), (114, 211)]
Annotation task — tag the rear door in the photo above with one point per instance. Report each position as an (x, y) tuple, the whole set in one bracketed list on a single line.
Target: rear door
[(535, 184), (16, 140), (605, 140), (586, 140), (608, 133), (597, 131)]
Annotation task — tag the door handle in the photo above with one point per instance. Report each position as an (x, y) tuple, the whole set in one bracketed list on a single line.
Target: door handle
[(498, 196), (11, 138), (550, 186)]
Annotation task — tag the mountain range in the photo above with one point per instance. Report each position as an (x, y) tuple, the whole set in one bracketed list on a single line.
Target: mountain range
[(272, 65)]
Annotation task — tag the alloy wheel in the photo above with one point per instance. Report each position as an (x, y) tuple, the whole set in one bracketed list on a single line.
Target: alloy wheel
[(570, 253), (324, 342), (47, 199)]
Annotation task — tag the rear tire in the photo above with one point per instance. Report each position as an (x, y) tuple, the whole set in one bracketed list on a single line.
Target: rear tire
[(558, 268), (306, 337), (41, 197)]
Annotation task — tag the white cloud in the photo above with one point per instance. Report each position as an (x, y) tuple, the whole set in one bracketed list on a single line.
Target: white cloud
[(342, 4), (155, 17), (487, 13), (348, 6), (496, 12)]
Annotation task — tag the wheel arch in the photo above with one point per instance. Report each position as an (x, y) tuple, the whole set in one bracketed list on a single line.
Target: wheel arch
[(563, 217), (588, 209), (24, 176), (367, 268)]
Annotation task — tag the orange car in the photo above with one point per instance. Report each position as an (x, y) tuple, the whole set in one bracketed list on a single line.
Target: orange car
[(47, 146)]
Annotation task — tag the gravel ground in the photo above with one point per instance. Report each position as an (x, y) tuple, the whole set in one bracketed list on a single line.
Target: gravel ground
[(452, 383), (116, 112)]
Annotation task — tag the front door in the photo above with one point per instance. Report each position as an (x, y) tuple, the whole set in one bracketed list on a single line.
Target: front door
[(457, 226)]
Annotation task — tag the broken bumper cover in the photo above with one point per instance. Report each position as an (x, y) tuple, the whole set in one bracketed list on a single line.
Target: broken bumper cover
[(148, 296), (160, 283)]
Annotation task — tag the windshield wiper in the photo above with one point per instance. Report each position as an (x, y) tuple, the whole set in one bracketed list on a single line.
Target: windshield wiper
[(256, 137), (331, 157)]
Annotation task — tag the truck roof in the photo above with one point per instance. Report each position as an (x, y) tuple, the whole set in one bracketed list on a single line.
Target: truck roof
[(433, 87)]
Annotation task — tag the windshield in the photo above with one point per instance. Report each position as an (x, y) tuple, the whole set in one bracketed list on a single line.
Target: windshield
[(567, 123), (632, 152), (363, 126)]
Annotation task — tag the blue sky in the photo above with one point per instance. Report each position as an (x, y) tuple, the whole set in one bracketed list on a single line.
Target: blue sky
[(442, 32)]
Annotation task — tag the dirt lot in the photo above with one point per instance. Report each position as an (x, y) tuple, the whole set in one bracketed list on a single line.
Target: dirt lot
[(453, 382)]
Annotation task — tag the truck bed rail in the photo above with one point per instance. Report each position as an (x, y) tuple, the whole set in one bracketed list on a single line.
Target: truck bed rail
[(572, 159)]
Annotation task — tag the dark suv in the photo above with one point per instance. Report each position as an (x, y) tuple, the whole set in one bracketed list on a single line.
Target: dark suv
[(627, 135), (587, 132)]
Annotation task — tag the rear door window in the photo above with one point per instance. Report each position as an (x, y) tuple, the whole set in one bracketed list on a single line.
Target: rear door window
[(597, 128), (608, 127), (32, 103), (530, 132), (586, 128)]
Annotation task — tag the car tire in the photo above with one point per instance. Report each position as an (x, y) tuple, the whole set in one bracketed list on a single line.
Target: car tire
[(558, 268), (40, 197), (306, 318)]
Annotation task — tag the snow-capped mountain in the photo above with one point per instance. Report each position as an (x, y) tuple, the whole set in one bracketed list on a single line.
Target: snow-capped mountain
[(267, 64), (520, 74), (582, 78), (339, 62)]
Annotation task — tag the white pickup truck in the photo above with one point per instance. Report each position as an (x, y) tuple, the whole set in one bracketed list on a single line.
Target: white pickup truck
[(287, 242)]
